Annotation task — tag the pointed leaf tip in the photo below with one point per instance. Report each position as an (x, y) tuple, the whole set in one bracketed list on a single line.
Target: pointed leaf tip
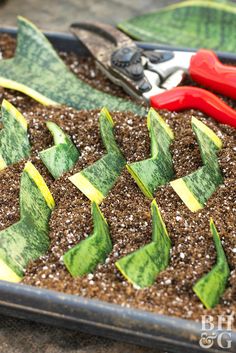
[(61, 157), (27, 239), (155, 115), (107, 115), (199, 125), (211, 286), (142, 266), (96, 180), (40, 183), (84, 257), (197, 187), (153, 172)]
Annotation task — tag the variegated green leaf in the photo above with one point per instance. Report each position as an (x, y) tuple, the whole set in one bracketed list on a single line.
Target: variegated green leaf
[(38, 71), (195, 24), (211, 286), (85, 256), (98, 179), (27, 239), (14, 142), (151, 173), (63, 156), (196, 188), (142, 266)]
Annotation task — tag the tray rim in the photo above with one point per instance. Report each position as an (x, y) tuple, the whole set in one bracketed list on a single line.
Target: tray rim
[(102, 318), (137, 326), (58, 39)]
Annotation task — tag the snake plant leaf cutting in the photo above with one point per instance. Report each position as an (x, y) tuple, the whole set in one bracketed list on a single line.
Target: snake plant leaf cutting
[(14, 142), (209, 143), (85, 256), (63, 156), (142, 266), (27, 239), (195, 24), (151, 173), (211, 286), (196, 188), (98, 179), (38, 71)]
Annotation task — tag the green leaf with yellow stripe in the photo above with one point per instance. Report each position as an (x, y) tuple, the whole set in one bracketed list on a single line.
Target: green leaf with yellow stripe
[(194, 23), (14, 141), (37, 71), (143, 266), (63, 156), (98, 179), (153, 172), (211, 286), (85, 256), (196, 188), (27, 239)]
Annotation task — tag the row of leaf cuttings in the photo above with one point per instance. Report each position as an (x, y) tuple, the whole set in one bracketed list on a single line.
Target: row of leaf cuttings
[(141, 267)]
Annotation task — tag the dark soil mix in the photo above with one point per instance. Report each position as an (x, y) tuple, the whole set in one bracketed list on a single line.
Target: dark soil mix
[(126, 209)]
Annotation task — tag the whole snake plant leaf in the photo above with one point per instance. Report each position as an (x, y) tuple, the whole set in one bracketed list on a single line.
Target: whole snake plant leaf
[(142, 266), (158, 170), (38, 71), (196, 188), (27, 239), (98, 179), (211, 286), (14, 142), (85, 256), (195, 24), (63, 156)]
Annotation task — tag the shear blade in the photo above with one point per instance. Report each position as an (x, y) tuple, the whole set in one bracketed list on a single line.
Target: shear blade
[(103, 41), (100, 39)]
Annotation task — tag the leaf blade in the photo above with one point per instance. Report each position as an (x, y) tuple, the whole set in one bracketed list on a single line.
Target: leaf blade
[(211, 286), (63, 156), (84, 257), (37, 71), (97, 180), (142, 266), (194, 24), (197, 187), (153, 172), (14, 141), (27, 239)]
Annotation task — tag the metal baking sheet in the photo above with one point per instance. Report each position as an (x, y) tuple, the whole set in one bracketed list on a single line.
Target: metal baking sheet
[(169, 334)]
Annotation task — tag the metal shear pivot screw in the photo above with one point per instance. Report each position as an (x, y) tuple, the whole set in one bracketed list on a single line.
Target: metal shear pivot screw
[(125, 56), (128, 61)]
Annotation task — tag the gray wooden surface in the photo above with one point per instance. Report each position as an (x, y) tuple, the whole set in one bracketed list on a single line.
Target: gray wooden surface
[(57, 15), (19, 336)]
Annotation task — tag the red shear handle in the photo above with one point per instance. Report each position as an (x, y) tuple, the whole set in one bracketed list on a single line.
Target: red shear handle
[(184, 97), (206, 69)]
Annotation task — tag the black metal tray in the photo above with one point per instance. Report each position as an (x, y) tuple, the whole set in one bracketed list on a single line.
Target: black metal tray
[(96, 317)]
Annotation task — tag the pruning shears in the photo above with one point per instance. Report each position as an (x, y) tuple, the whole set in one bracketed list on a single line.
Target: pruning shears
[(153, 75)]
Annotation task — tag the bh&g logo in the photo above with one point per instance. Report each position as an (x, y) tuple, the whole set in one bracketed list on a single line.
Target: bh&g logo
[(218, 332)]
